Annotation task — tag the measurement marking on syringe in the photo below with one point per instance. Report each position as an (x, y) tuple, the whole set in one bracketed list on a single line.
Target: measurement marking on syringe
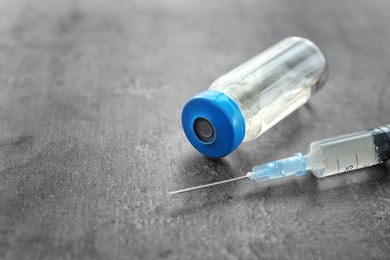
[(338, 165), (357, 160)]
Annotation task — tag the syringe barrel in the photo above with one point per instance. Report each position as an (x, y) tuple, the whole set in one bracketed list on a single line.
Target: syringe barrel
[(349, 152), (275, 83)]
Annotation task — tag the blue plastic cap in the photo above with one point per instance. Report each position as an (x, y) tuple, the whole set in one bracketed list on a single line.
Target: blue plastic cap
[(213, 123)]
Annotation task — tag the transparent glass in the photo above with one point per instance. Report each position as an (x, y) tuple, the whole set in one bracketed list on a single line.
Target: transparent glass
[(275, 83), (340, 154)]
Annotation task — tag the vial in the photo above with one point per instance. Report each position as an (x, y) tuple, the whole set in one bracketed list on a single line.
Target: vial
[(247, 101)]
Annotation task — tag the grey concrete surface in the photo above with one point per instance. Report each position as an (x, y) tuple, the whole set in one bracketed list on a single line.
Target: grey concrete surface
[(91, 142)]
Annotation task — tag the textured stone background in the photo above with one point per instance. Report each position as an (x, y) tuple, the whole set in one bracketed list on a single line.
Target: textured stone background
[(91, 94)]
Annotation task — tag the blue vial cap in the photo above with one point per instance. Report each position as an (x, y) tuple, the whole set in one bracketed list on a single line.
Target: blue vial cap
[(213, 123)]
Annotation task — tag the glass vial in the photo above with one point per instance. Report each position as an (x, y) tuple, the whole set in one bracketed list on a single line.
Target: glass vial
[(250, 99)]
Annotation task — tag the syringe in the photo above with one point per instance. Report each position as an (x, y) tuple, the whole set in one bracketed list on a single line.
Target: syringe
[(324, 158)]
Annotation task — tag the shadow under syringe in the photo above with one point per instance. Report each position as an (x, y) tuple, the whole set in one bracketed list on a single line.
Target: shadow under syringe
[(309, 191), (365, 183)]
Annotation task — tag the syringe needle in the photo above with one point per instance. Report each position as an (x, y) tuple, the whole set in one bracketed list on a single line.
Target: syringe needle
[(207, 185), (353, 151)]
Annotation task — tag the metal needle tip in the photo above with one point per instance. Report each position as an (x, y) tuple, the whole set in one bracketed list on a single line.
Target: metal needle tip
[(207, 185)]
